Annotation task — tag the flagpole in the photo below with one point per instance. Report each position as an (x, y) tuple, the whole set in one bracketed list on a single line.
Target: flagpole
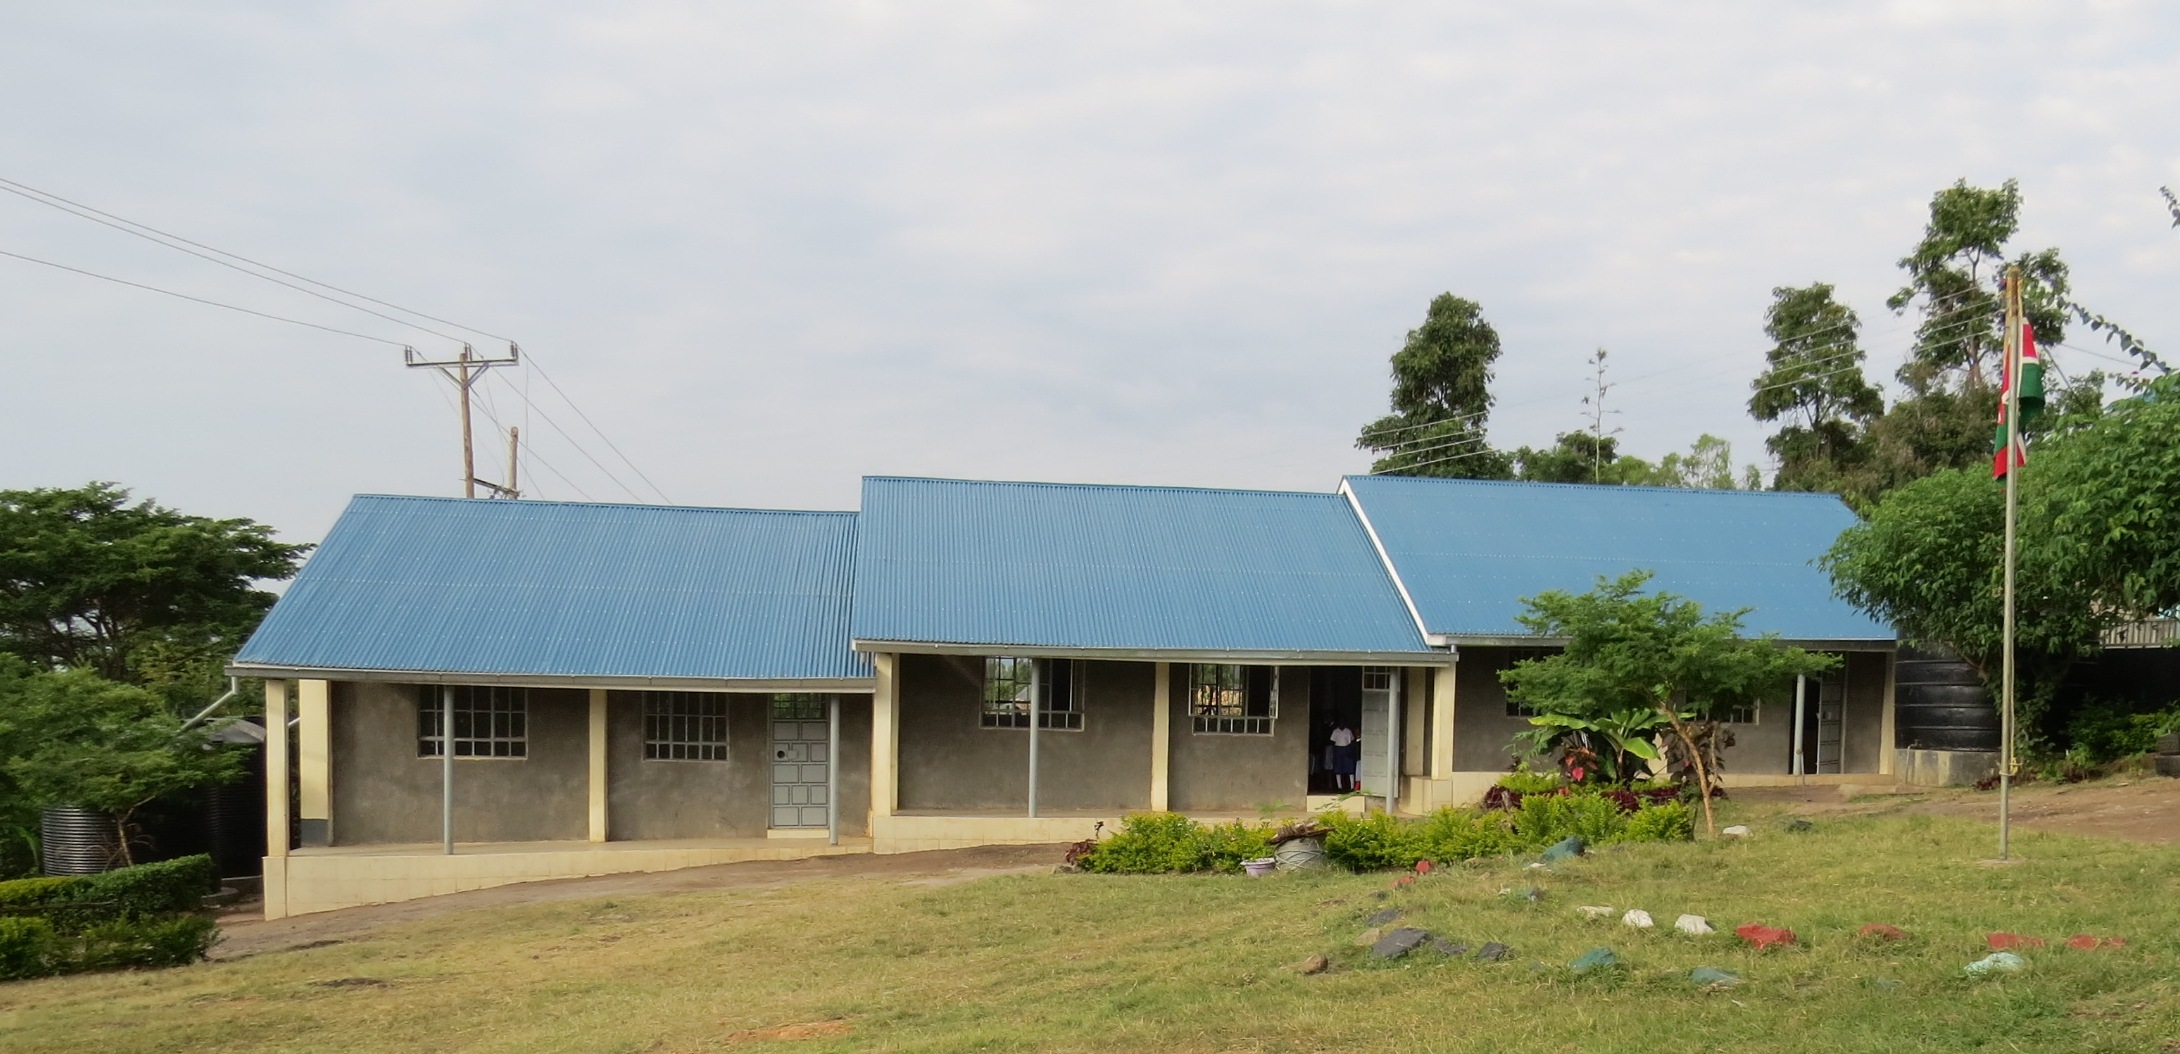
[(2008, 457)]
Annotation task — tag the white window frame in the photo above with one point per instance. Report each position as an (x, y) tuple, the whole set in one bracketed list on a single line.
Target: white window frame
[(1219, 702), (1012, 714), (684, 726), (506, 713)]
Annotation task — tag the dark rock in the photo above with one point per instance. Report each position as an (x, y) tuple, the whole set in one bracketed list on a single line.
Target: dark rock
[(350, 982), (1380, 895), (1398, 943), (1382, 916), (1799, 825), (2168, 764), (1494, 952), (1449, 949)]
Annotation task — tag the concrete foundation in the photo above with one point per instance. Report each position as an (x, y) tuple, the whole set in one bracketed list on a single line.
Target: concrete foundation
[(1944, 768)]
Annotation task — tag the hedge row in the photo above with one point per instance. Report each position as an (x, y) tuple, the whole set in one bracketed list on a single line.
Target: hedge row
[(148, 915), (1169, 843)]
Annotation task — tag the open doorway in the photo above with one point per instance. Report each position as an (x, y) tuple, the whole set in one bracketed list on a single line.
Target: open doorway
[(1336, 720)]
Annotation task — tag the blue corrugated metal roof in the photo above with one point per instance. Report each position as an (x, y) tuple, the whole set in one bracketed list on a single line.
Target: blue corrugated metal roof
[(544, 588), (1468, 551), (1124, 568)]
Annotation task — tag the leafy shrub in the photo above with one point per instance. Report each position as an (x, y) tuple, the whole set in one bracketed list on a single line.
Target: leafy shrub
[(1669, 822), (174, 941), (1547, 818), (1532, 782), (1224, 847), (34, 892), (2103, 731), (147, 890), (26, 948), (1374, 842), (1150, 843)]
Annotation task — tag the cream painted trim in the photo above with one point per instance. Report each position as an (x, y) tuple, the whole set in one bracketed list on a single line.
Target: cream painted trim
[(1385, 560), (885, 739), (1162, 737), (276, 798), (313, 749), (597, 764), (1444, 681), (1887, 731), (1233, 658), (845, 685), (1415, 727)]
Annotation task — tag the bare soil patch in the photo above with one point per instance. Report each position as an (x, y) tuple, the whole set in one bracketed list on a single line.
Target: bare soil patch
[(2135, 809), (243, 934)]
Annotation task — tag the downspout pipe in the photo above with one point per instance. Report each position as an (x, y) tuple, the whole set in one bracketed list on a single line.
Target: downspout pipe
[(234, 688)]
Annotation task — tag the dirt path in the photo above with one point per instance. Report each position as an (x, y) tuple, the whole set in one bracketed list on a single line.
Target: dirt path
[(244, 934), (2141, 809)]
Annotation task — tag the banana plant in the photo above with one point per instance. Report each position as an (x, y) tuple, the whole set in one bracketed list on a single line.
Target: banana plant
[(1603, 748)]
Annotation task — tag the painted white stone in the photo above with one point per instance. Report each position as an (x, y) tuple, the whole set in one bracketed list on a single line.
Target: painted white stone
[(1739, 830), (1596, 911), (1638, 918), (1693, 925)]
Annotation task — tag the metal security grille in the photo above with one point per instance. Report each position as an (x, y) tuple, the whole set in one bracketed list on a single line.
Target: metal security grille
[(798, 707), (684, 726), (1009, 682), (489, 722), (1230, 700)]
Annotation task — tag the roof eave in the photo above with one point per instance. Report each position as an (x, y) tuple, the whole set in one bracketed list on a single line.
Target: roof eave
[(1241, 657), (556, 680)]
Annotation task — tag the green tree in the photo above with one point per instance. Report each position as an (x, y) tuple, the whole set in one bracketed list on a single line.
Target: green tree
[(1633, 653), (1576, 457), (2101, 504), (1814, 381), (71, 737), (135, 592), (1441, 398), (1928, 560), (1956, 274), (1581, 457)]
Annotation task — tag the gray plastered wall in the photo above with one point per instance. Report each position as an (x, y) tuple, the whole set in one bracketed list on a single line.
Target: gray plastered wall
[(651, 799), (950, 762), (381, 791), (1241, 774)]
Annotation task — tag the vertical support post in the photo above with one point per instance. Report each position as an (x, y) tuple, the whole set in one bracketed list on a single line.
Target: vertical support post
[(2013, 487), (1162, 737), (1415, 733), (276, 799), (885, 737), (1888, 735), (1036, 711), (598, 765), (1442, 710), (313, 759), (514, 462), (1801, 714), (469, 452), (276, 768), (1393, 718), (832, 770), (446, 767)]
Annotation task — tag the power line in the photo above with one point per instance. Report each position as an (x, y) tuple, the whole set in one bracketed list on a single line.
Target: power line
[(129, 226), (199, 299)]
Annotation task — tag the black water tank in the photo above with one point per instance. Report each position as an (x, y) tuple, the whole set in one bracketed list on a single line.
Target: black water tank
[(76, 841), (235, 820), (1939, 703)]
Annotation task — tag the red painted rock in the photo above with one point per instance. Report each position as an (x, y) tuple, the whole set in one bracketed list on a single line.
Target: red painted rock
[(1883, 932), (1404, 880), (2083, 942), (2005, 942), (1763, 936), (1423, 867)]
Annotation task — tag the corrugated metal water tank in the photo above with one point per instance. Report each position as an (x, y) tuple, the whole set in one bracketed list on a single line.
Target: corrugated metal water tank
[(1939, 703), (76, 841)]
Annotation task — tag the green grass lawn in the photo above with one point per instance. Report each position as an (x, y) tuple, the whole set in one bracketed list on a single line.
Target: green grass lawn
[(1082, 962)]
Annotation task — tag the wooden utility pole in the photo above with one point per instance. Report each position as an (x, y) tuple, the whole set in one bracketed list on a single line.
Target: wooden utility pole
[(465, 371)]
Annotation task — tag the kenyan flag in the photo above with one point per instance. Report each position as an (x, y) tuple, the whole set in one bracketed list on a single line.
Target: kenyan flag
[(2032, 403)]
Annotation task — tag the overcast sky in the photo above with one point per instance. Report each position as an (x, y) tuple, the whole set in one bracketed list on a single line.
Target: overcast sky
[(770, 248)]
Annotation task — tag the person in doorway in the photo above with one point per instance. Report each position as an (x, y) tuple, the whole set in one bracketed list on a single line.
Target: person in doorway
[(1345, 754)]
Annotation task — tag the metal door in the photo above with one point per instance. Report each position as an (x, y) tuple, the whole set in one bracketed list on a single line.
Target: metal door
[(1831, 693), (799, 763), (1377, 709)]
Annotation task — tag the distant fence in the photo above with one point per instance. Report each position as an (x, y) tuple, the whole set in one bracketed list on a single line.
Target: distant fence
[(2152, 633)]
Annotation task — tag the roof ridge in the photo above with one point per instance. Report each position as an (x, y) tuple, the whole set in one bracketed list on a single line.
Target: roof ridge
[(533, 502), (1608, 487), (1179, 488)]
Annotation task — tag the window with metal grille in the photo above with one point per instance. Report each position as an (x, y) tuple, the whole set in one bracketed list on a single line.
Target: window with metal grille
[(1009, 682), (684, 726), (489, 722), (1377, 679), (1741, 715), (1229, 700), (798, 707)]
